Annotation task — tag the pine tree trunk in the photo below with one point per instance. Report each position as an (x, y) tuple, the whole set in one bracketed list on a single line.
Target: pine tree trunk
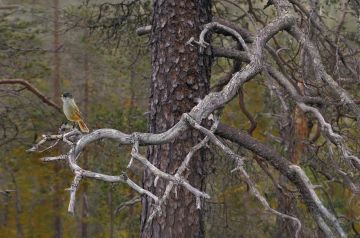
[(179, 76)]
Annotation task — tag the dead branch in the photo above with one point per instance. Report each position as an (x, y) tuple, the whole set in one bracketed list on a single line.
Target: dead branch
[(32, 89), (9, 7), (246, 112), (144, 30), (127, 204)]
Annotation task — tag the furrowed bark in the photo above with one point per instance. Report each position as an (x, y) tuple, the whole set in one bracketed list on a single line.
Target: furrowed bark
[(179, 76)]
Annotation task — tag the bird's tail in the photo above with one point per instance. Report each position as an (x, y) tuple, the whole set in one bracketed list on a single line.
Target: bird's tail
[(83, 127)]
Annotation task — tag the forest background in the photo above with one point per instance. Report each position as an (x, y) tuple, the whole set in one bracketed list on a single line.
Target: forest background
[(91, 49)]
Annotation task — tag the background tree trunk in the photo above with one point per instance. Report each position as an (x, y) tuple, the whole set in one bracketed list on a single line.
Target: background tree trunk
[(57, 203), (84, 202), (179, 75)]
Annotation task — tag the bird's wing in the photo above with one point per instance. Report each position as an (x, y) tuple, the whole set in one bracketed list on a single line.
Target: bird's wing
[(77, 111)]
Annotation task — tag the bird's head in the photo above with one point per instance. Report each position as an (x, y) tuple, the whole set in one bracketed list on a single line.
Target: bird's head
[(66, 96)]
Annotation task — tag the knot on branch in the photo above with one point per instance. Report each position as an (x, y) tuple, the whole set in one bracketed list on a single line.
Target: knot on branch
[(189, 119), (178, 180), (124, 175), (134, 138), (239, 163), (77, 179)]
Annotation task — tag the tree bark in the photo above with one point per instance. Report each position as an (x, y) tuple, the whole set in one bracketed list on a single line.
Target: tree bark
[(179, 75)]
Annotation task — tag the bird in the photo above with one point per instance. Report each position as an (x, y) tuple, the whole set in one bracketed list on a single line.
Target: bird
[(72, 111)]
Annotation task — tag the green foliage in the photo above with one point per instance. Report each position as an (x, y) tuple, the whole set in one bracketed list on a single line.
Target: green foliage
[(20, 49)]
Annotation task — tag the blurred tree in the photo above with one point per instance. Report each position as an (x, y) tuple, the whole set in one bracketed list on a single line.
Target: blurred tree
[(56, 84)]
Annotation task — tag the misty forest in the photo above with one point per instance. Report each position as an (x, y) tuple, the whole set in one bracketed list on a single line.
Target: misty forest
[(179, 118)]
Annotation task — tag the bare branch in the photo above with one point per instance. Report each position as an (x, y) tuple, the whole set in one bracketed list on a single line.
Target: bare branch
[(299, 179), (126, 204), (245, 33), (217, 25), (325, 213), (263, 201), (7, 192), (239, 162), (73, 189), (51, 159), (246, 112), (230, 53), (144, 30), (9, 7), (179, 172), (321, 73), (177, 180), (32, 89)]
